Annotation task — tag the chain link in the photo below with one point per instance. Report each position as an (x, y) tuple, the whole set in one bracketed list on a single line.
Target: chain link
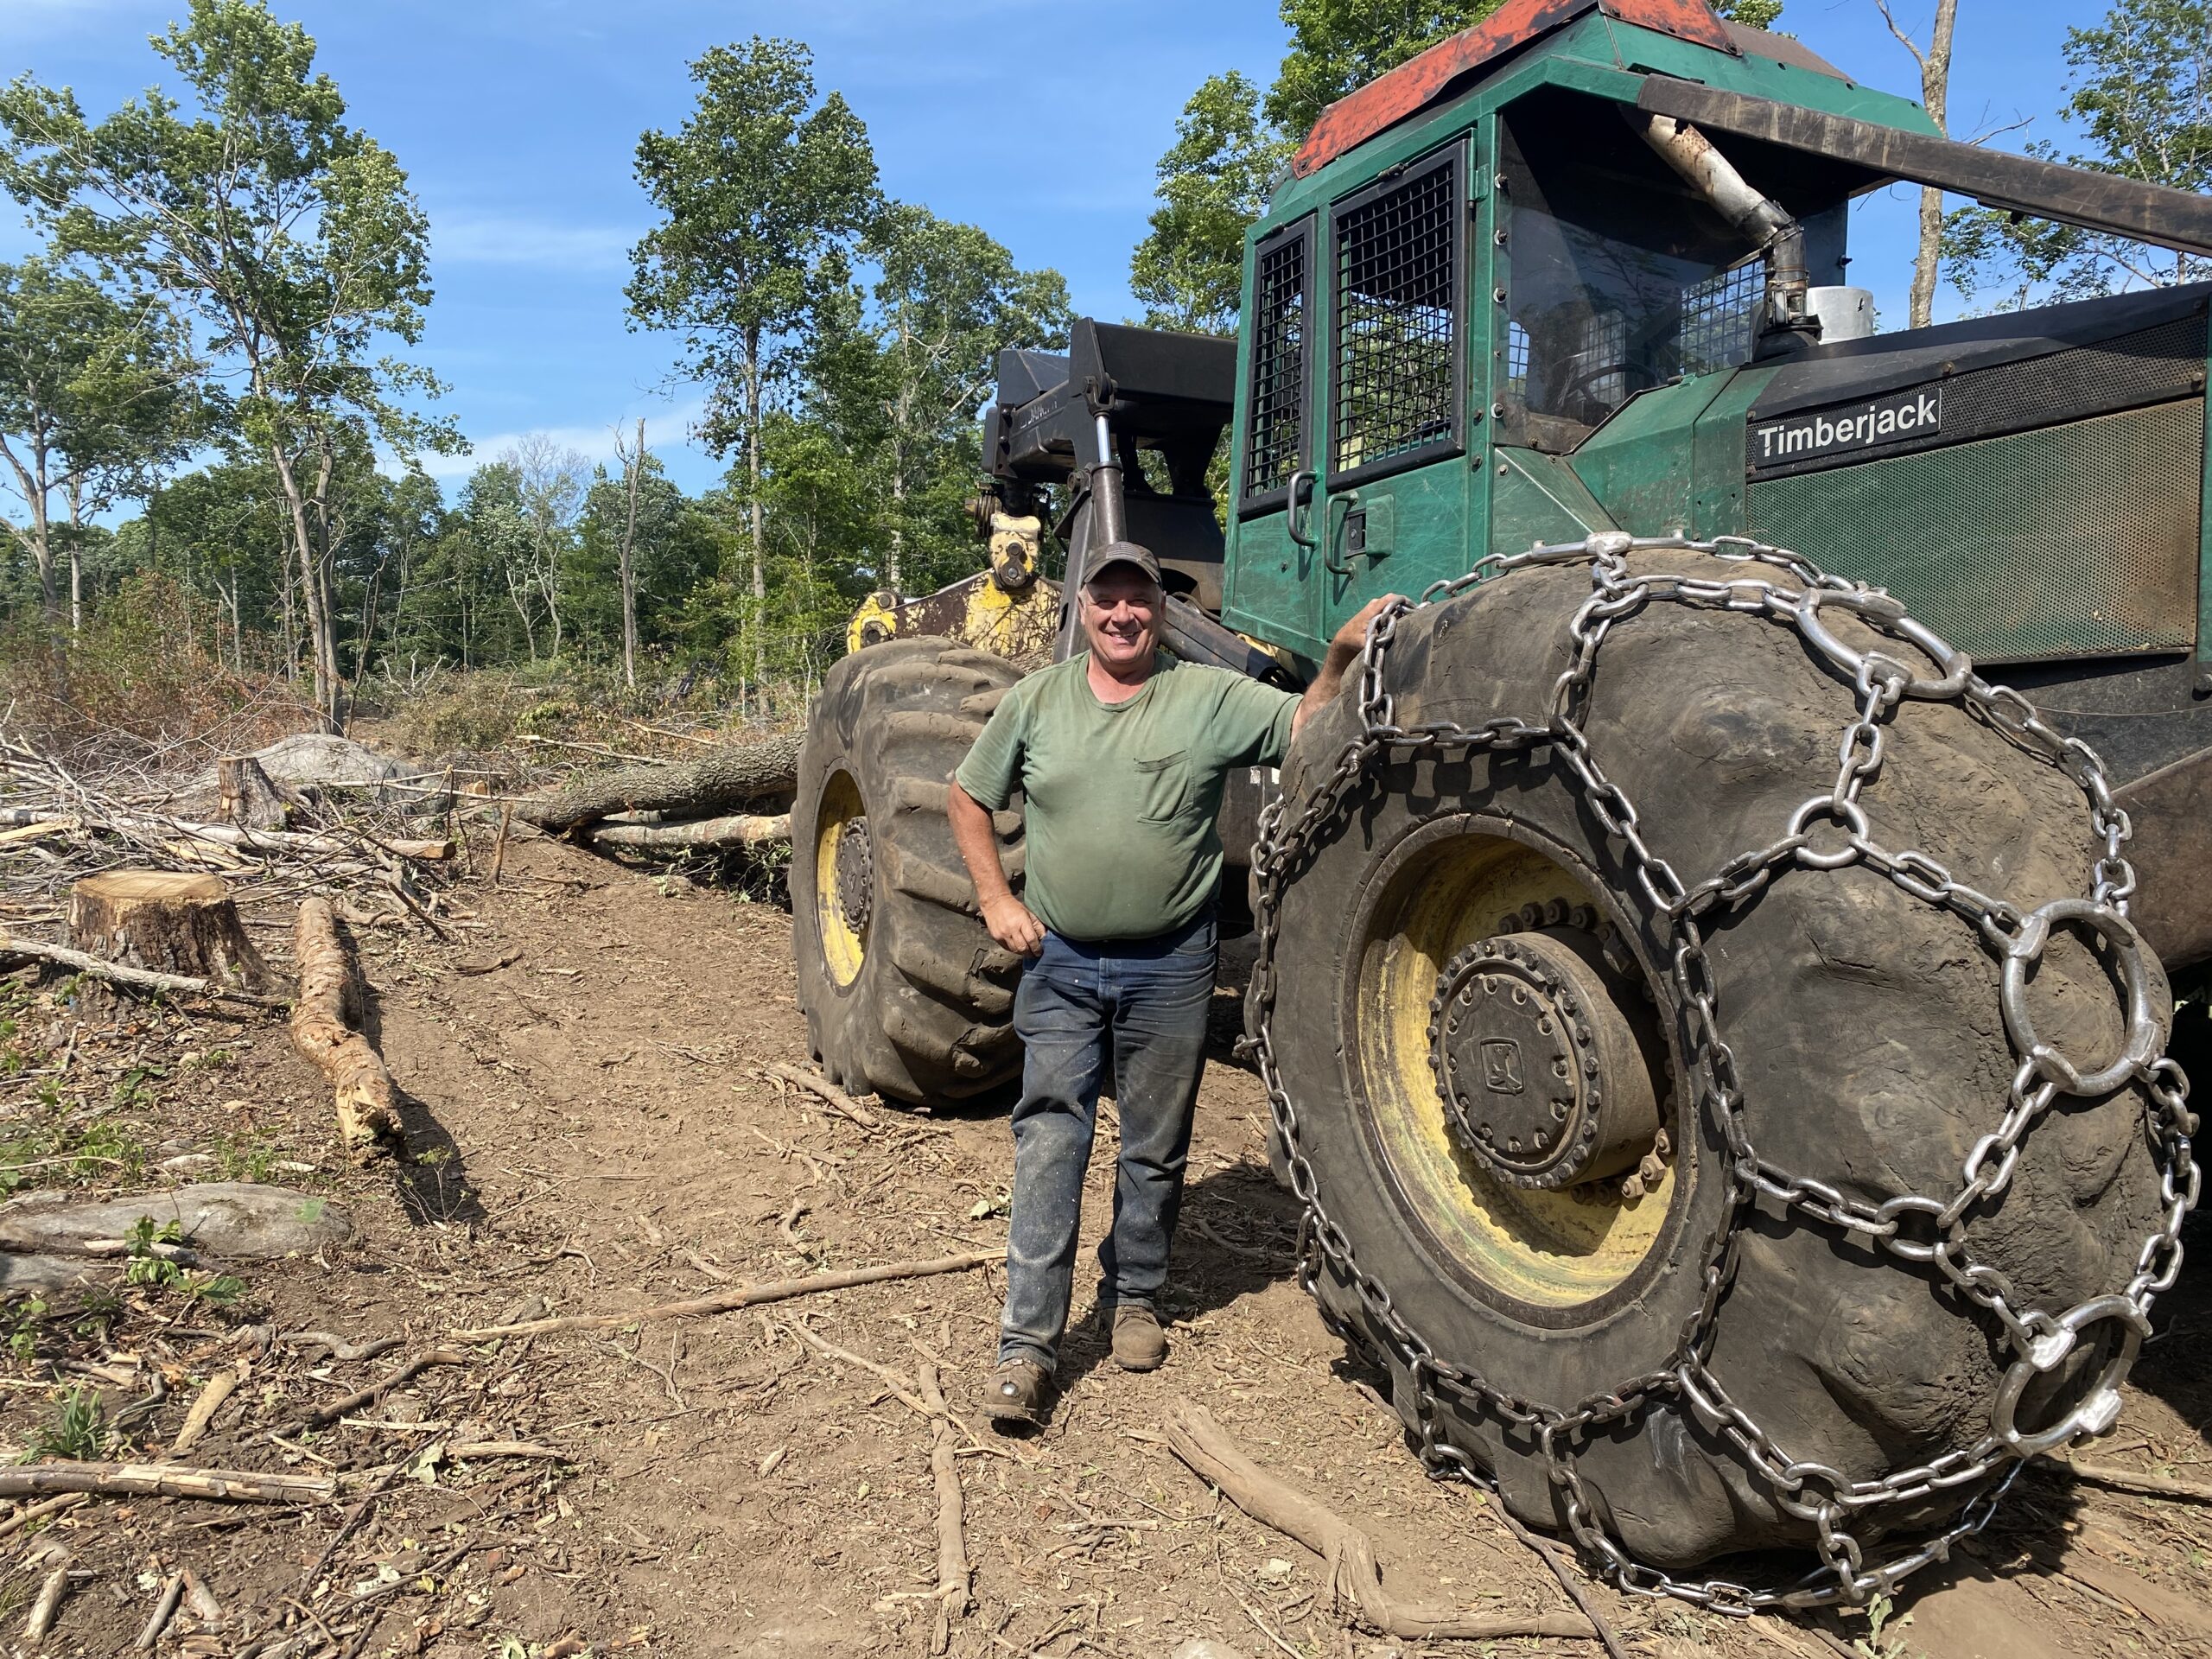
[(1826, 832)]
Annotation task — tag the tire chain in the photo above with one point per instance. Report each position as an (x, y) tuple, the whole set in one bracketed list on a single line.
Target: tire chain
[(1916, 1229)]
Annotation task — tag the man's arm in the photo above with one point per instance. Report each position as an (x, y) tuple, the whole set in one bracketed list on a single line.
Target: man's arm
[(1008, 919), (1344, 650)]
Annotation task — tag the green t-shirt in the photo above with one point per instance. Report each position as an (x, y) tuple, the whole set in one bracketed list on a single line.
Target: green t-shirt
[(1121, 797)]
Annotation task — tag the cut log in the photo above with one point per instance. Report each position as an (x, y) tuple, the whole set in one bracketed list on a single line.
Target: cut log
[(248, 798), (740, 831), (326, 1029), (719, 781), (165, 922)]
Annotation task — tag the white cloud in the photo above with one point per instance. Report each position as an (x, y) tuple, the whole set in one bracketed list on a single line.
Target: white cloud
[(489, 239), (595, 443)]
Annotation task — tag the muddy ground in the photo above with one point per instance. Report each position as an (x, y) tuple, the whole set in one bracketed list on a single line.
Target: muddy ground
[(589, 1127)]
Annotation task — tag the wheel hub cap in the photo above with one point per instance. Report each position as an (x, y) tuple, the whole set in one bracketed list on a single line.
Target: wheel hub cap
[(1542, 1075), (855, 875)]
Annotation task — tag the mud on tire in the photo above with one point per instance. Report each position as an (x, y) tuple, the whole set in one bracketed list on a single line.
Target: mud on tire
[(904, 991), (1864, 1025)]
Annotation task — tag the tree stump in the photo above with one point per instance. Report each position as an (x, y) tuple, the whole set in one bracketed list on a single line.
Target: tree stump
[(249, 799), (168, 921)]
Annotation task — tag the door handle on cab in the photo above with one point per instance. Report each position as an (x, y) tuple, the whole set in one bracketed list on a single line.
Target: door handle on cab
[(1302, 480)]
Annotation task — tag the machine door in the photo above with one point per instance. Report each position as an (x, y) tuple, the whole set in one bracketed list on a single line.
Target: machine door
[(1270, 589), (1394, 480)]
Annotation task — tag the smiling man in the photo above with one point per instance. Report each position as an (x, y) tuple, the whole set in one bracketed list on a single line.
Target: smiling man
[(1120, 754)]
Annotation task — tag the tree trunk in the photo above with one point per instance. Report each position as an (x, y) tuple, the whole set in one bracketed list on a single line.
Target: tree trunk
[(75, 492), (166, 921), (759, 516), (249, 800), (1935, 93), (326, 691), (629, 564), (719, 781)]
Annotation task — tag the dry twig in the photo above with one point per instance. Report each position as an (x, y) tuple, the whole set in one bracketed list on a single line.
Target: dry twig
[(776, 1290), (822, 1089)]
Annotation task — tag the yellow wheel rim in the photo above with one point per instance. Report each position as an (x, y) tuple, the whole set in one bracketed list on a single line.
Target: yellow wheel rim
[(1554, 1250), (844, 946)]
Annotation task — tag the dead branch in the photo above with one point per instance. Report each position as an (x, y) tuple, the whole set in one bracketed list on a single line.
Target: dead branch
[(23, 1518), (237, 837), (137, 979), (822, 1089), (377, 1390), (219, 1389), (742, 831), (723, 778), (323, 1033), (47, 1607), (953, 1572), (778, 1290), (2138, 1481), (164, 1611), (165, 1480), (1355, 1577)]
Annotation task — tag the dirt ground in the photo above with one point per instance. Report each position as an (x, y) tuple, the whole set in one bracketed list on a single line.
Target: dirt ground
[(590, 1128)]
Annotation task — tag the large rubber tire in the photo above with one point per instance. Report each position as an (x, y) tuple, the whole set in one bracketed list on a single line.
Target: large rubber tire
[(1864, 1025), (919, 1004)]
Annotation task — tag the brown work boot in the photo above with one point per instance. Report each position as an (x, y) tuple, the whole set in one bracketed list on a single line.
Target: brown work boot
[(1139, 1343), (1017, 1393)]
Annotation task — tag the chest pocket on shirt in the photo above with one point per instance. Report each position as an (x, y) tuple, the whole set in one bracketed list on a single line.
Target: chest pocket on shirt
[(1161, 787)]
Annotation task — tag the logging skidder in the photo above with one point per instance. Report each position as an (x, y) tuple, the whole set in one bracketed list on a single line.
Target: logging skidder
[(1716, 961)]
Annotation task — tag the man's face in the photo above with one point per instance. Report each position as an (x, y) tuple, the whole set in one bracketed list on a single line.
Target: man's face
[(1121, 615)]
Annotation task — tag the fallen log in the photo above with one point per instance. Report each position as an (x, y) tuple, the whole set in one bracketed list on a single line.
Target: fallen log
[(165, 1480), (719, 781), (1354, 1576), (776, 1290), (325, 1030), (137, 979), (740, 831)]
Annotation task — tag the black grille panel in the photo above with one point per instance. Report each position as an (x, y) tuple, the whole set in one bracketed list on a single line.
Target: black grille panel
[(1396, 354), (1275, 448), (2149, 365), (2078, 540)]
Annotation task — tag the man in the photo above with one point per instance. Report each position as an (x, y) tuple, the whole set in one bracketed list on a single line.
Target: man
[(1120, 753)]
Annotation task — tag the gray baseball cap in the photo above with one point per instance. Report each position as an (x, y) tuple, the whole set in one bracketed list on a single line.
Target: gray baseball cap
[(1115, 553)]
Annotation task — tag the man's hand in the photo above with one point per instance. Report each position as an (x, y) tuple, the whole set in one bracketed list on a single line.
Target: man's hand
[(1013, 927), (1352, 637), (1343, 651)]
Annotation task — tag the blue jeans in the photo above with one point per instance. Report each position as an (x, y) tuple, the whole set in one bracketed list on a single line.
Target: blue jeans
[(1144, 1003)]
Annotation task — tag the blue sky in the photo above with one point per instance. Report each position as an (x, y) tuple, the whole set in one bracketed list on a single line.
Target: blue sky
[(517, 122)]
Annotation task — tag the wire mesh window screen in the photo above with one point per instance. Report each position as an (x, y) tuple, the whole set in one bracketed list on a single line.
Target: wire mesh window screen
[(1720, 318), (1397, 346), (1275, 448)]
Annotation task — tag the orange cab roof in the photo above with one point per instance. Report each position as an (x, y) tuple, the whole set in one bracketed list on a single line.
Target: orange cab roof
[(1418, 82)]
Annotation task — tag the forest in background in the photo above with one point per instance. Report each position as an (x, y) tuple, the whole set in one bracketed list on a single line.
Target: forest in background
[(211, 424)]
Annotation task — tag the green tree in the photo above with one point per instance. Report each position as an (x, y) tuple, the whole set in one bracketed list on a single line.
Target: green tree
[(2140, 106), (762, 194), (1338, 45), (1214, 183), (90, 403), (290, 238), (905, 377)]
